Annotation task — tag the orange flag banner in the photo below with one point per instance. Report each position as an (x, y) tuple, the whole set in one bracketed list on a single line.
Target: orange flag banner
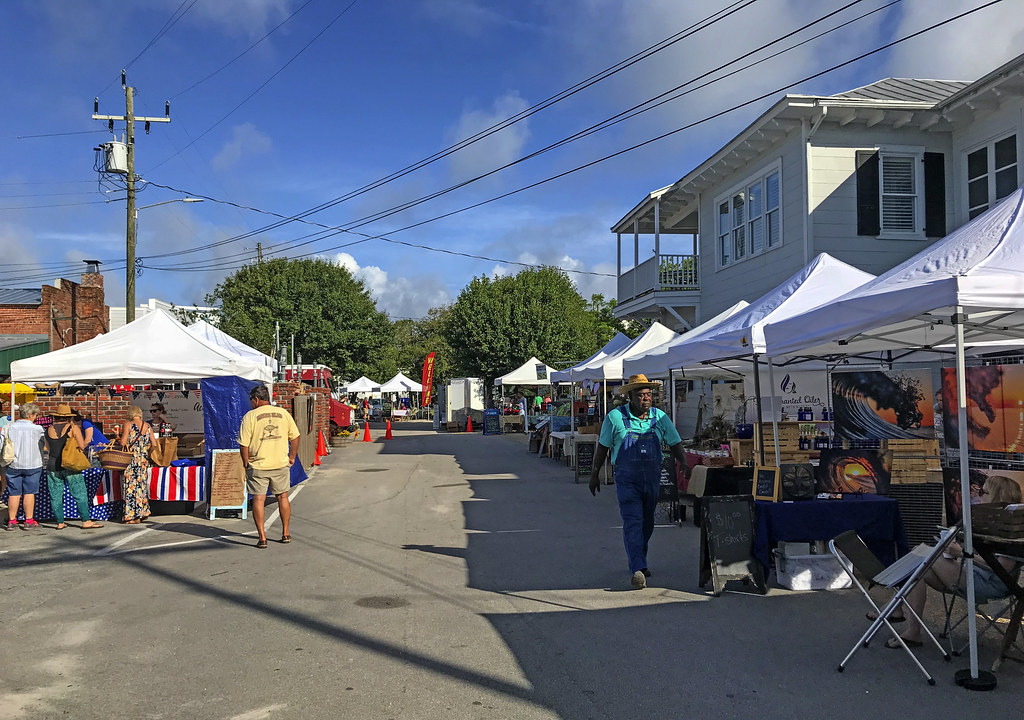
[(427, 380)]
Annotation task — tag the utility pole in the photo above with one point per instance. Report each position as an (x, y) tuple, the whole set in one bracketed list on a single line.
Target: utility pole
[(259, 252), (129, 120)]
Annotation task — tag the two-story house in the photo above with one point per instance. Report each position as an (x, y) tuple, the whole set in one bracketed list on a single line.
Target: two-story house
[(870, 176)]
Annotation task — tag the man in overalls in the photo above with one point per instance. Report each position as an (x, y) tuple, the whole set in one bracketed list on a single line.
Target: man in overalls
[(634, 433)]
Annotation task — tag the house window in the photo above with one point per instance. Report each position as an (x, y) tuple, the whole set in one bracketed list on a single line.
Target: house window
[(749, 220), (991, 174), (899, 193)]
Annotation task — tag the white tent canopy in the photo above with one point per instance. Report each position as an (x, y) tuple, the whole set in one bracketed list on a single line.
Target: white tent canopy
[(400, 383), (527, 374), (154, 348), (742, 335), (654, 363), (968, 287), (363, 384), (208, 332), (610, 367), (612, 346)]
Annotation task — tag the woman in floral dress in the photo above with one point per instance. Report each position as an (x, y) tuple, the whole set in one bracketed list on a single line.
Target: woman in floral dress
[(136, 438)]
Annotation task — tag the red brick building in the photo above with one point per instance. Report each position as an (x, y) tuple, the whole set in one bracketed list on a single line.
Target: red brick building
[(67, 312)]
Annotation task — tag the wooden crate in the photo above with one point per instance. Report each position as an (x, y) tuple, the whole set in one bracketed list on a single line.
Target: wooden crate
[(454, 426), (742, 451)]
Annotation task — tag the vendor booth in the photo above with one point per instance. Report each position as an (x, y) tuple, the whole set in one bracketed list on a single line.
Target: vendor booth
[(965, 289), (532, 373), (156, 348), (401, 387)]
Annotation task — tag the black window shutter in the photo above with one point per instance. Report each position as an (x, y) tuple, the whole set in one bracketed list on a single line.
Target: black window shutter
[(934, 194), (868, 222)]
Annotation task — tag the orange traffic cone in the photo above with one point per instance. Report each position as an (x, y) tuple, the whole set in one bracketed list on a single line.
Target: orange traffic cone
[(388, 435), (469, 423), (316, 458), (321, 446), (366, 433)]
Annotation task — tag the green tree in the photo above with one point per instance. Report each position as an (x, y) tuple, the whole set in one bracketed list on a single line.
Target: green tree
[(331, 314), (497, 324), (415, 339)]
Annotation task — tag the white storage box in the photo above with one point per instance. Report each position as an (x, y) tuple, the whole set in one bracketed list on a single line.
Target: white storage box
[(810, 572)]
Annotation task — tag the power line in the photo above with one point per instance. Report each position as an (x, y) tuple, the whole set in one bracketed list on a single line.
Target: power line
[(57, 134)]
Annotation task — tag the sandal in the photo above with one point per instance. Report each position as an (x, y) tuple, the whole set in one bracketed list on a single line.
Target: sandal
[(92, 526), (261, 545), (894, 644), (286, 538), (61, 526)]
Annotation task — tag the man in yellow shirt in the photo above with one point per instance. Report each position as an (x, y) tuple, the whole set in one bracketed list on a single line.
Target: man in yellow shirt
[(269, 442)]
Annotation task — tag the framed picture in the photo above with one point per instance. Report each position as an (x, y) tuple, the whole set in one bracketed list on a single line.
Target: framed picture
[(766, 483), (855, 471)]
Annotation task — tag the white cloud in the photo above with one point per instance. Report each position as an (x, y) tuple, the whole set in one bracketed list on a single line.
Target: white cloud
[(495, 150), (399, 297), (469, 16), (245, 141), (243, 17)]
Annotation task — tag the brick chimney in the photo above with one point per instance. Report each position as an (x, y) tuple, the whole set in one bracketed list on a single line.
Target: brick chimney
[(92, 277)]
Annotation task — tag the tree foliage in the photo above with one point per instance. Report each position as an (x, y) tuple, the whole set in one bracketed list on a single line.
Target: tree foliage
[(415, 339), (496, 324), (331, 314)]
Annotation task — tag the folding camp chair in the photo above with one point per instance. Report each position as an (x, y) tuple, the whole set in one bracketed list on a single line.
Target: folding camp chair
[(902, 575), (1003, 606)]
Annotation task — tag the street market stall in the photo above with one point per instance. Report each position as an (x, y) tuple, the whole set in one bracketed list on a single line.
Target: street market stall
[(400, 386), (532, 373)]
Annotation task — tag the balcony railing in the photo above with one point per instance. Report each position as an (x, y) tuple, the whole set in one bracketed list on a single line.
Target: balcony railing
[(671, 273)]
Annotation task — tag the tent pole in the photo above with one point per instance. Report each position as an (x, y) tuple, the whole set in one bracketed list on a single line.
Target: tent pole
[(965, 487), (775, 422), (757, 405)]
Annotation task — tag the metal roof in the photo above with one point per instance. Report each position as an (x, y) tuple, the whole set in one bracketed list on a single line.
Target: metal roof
[(13, 341), (906, 90), (21, 296)]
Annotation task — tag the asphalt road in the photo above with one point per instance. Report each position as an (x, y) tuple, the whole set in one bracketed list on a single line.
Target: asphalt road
[(432, 576)]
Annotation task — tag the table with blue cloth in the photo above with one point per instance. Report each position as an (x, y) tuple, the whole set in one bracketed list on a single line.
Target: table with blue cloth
[(876, 519), (93, 479)]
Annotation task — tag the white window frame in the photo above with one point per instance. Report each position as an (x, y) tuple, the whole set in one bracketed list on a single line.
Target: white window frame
[(989, 146), (727, 197), (917, 154)]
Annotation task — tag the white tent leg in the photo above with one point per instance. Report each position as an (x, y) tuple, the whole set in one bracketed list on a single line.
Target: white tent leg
[(775, 422)]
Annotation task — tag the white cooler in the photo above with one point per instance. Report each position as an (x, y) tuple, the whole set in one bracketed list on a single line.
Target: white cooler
[(810, 572)]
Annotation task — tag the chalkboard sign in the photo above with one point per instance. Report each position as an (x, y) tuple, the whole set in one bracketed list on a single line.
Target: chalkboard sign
[(766, 483), (584, 459), (227, 482), (492, 422), (727, 543)]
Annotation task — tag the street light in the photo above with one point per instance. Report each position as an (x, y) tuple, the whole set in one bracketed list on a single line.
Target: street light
[(129, 285)]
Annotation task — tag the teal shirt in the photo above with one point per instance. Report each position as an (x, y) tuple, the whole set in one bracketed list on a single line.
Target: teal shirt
[(613, 429)]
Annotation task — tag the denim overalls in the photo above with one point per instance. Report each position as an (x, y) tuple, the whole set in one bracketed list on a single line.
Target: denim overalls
[(637, 480)]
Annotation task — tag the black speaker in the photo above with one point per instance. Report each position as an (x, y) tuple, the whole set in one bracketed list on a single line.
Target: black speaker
[(797, 480)]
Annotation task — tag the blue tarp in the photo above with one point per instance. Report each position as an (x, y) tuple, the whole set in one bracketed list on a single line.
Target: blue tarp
[(225, 403)]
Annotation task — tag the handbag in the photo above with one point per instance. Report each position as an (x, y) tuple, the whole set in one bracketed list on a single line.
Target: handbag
[(164, 451), (7, 454), (71, 457)]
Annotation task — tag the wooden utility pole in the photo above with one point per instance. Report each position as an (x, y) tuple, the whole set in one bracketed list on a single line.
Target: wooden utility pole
[(129, 139)]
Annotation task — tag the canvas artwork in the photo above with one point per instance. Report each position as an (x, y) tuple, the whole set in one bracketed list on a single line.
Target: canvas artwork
[(883, 404), (995, 408), (980, 488), (855, 471)]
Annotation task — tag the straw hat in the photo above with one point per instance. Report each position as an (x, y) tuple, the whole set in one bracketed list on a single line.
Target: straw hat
[(637, 382), (63, 410)]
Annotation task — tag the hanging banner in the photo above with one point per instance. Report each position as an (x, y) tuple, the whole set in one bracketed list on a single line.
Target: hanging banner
[(428, 378)]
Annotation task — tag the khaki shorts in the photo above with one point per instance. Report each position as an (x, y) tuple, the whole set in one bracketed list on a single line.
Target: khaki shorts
[(278, 480)]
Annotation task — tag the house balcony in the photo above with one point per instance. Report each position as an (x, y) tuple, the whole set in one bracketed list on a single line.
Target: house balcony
[(664, 287)]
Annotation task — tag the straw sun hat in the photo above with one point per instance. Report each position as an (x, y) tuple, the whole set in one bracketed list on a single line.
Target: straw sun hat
[(63, 410), (637, 382)]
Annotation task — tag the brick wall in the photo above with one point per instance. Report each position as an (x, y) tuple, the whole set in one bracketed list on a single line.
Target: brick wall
[(110, 411), (284, 392), (70, 313)]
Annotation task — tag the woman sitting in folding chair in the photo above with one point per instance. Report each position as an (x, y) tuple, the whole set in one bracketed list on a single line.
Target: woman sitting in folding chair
[(948, 574)]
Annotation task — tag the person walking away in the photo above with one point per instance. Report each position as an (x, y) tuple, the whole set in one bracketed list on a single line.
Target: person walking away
[(62, 431), (24, 473), (268, 441), (634, 433), (136, 438)]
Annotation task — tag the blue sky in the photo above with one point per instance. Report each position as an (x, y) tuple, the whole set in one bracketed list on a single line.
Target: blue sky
[(355, 91)]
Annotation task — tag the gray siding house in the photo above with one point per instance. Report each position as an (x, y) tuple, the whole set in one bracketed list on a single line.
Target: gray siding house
[(870, 176)]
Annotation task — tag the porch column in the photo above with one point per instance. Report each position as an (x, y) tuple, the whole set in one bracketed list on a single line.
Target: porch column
[(618, 254), (657, 244), (636, 251)]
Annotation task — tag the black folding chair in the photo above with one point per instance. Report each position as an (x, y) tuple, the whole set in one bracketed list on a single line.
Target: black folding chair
[(857, 559)]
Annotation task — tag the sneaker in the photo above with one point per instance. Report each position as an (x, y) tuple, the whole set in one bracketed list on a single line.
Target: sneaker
[(30, 525), (638, 581), (12, 524), (646, 572)]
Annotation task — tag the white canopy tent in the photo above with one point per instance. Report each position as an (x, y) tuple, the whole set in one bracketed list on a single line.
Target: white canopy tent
[(966, 288), (654, 364), (363, 384), (400, 383), (154, 348), (527, 374), (612, 346), (208, 332), (610, 367)]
